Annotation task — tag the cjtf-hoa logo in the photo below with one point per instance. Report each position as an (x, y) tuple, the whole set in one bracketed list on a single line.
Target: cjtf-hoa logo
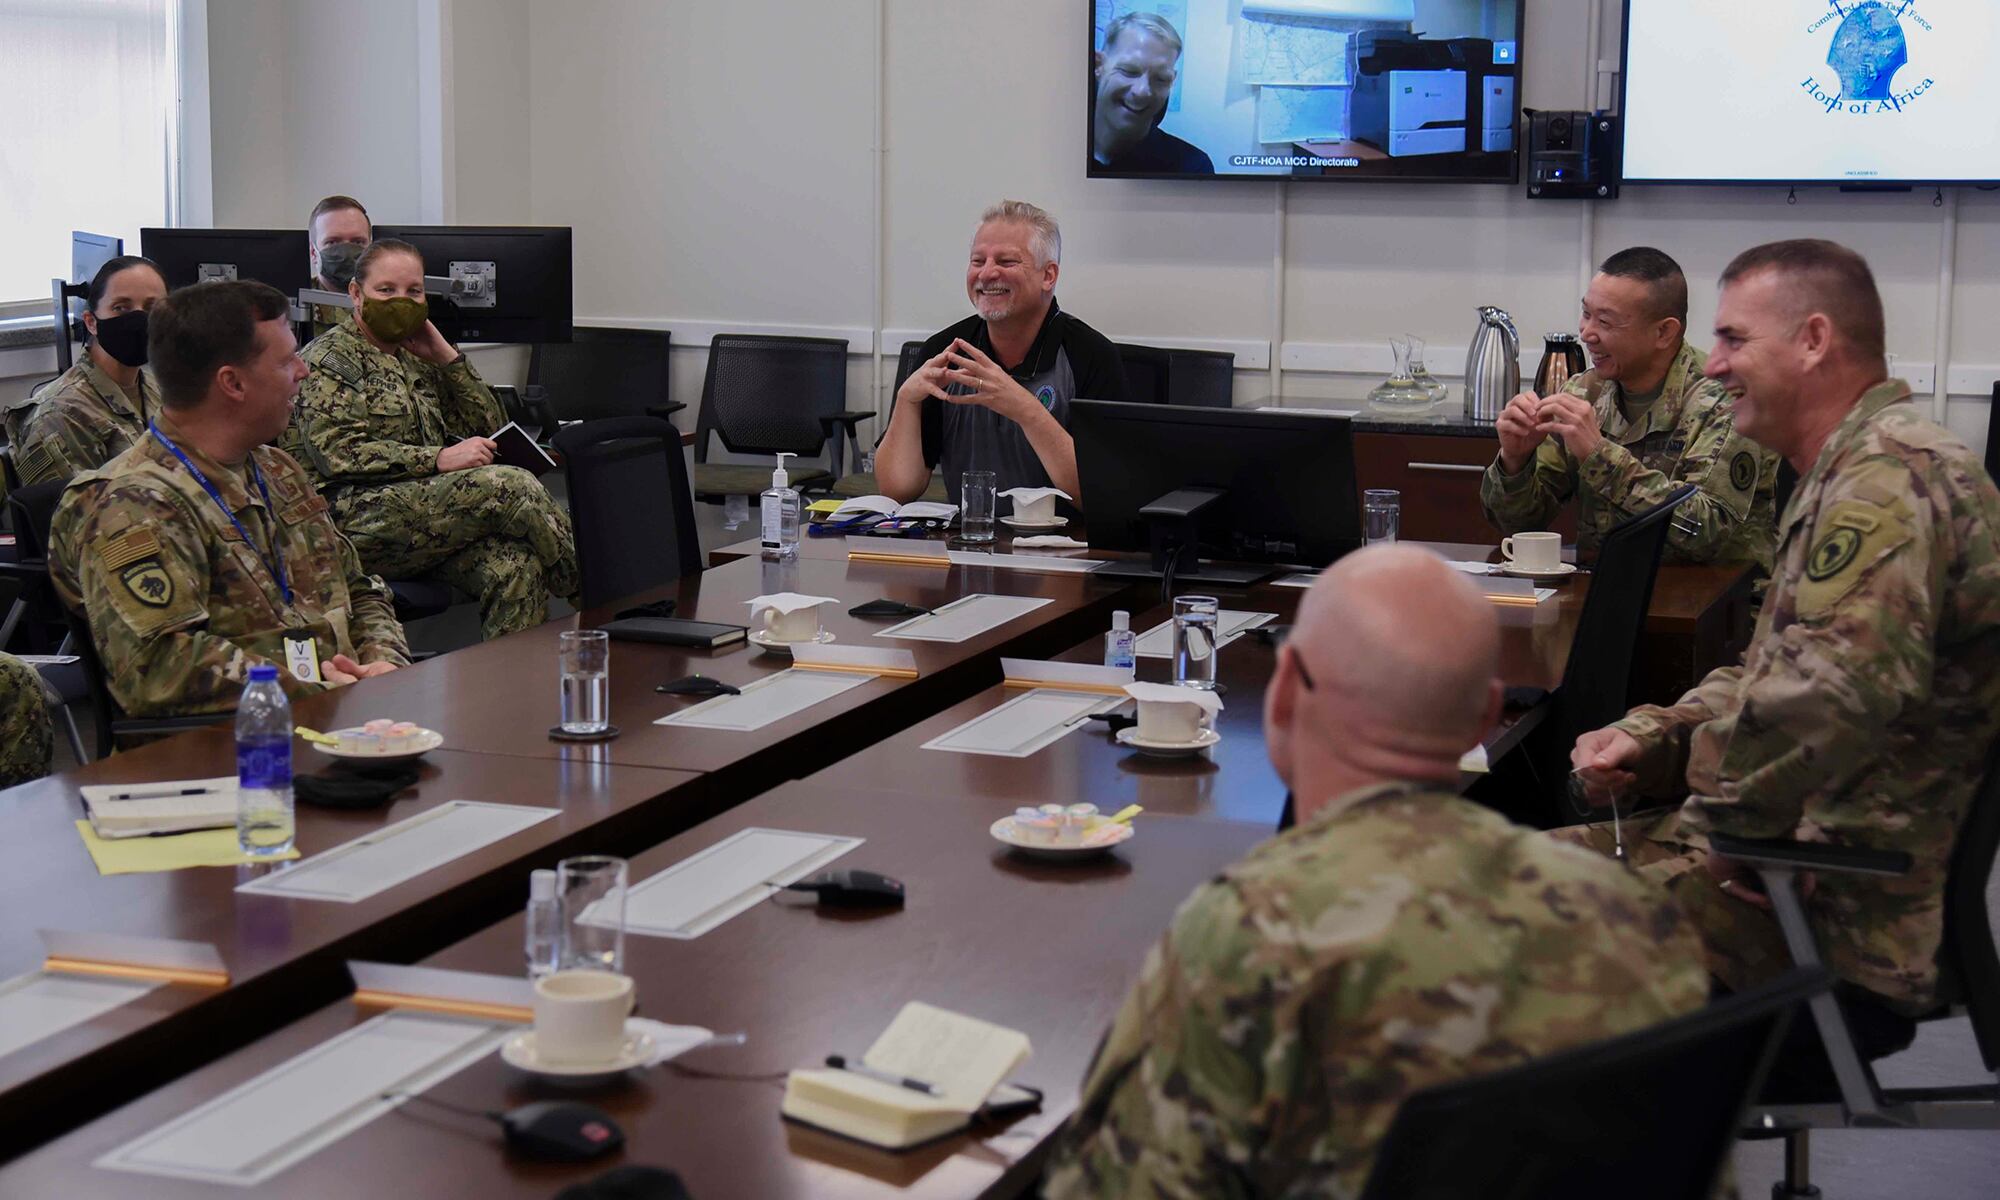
[(1869, 54)]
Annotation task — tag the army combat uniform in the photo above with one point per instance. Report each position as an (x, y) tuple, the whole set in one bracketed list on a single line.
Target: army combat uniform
[(1687, 435), (371, 425), (1862, 714), (181, 606), (26, 742), (81, 421), (1400, 939)]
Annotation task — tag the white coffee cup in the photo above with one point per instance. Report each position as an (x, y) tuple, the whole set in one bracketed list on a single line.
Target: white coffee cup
[(580, 1016), (1039, 511), (798, 625), (1161, 721), (1533, 551)]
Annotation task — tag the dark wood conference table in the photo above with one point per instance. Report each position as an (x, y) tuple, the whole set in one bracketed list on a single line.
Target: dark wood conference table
[(1046, 949)]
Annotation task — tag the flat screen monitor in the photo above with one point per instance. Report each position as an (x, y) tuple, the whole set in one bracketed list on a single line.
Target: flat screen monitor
[(88, 252), (1287, 479), (189, 256), (1396, 90), (528, 277), (1847, 92)]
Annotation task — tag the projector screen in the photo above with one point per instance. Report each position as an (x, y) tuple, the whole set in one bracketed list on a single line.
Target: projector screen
[(1811, 91), (1322, 89)]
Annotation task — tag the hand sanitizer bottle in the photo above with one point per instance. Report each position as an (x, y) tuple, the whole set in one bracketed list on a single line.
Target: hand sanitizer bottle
[(542, 938), (780, 506), (1118, 644)]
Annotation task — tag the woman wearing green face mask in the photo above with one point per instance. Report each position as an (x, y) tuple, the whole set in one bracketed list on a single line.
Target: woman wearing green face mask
[(394, 423)]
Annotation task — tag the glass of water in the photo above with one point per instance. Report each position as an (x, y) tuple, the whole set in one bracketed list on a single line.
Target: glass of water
[(976, 500), (1381, 514), (586, 681), (1195, 619), (590, 893)]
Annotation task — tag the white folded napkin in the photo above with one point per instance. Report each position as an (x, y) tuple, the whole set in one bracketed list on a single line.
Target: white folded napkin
[(1027, 495), (1051, 541), (788, 602), (1172, 693)]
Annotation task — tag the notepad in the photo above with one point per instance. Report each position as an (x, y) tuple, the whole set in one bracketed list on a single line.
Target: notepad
[(398, 853), (122, 810), (915, 510), (517, 449), (1024, 725), (257, 1129), (707, 888), (41, 1004), (770, 699), (966, 618), (1230, 624)]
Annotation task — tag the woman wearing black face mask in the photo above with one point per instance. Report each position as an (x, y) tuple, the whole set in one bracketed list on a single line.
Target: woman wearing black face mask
[(98, 408)]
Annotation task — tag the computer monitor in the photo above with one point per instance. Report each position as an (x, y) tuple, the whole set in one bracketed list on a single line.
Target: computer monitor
[(1233, 485), (513, 283), (88, 252), (190, 256)]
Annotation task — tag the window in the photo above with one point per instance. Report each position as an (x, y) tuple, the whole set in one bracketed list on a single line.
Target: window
[(89, 90)]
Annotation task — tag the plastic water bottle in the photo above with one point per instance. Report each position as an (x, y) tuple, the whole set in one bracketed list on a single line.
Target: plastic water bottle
[(264, 823)]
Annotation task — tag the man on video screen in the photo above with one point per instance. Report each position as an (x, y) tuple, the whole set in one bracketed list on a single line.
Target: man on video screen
[(1134, 77)]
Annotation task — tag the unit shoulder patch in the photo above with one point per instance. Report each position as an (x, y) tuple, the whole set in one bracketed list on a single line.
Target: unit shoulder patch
[(1852, 539), (149, 583), (1743, 471)]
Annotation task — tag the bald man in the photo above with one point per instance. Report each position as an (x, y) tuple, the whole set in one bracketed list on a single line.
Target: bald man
[(1398, 937)]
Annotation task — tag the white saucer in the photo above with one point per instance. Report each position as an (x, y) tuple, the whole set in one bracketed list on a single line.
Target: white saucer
[(636, 1050), (1003, 830), (1202, 741), (762, 639), (426, 741), (1018, 523), (1562, 571)]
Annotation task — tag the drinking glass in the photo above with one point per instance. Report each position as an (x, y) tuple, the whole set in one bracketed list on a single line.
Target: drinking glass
[(591, 894), (1195, 619), (976, 497), (1381, 514), (586, 680)]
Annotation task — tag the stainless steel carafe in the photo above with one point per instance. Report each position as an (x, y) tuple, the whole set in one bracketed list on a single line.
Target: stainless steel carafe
[(1562, 361), (1492, 365)]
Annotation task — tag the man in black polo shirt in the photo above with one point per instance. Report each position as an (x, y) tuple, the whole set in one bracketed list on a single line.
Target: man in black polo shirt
[(994, 390)]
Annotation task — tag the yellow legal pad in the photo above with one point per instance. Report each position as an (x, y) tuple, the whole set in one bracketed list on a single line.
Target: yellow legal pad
[(202, 848)]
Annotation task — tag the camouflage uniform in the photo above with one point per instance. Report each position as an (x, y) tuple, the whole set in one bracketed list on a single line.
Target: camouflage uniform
[(82, 421), (371, 425), (1862, 714), (1402, 939), (1688, 435), (26, 744), (180, 607)]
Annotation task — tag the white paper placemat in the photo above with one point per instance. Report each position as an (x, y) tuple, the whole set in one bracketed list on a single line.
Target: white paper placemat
[(772, 698), (398, 853), (966, 618), (707, 888), (250, 1133), (40, 1004), (1158, 642), (1024, 724), (1046, 563)]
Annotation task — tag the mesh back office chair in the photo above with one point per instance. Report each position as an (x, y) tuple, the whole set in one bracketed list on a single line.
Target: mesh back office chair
[(766, 394), (600, 372), (1146, 372), (863, 483), (1646, 1116), (630, 503), (1201, 378), (1848, 1024)]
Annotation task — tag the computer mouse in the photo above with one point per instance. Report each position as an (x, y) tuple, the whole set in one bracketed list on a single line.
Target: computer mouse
[(853, 889), (561, 1131)]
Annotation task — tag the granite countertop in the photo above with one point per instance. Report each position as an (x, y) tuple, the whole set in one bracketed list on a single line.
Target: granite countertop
[(1446, 419)]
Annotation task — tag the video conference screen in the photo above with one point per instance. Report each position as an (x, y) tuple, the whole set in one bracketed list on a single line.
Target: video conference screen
[(1811, 91), (1424, 90)]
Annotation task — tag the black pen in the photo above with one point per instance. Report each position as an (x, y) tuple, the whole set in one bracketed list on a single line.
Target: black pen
[(839, 1063), (200, 791)]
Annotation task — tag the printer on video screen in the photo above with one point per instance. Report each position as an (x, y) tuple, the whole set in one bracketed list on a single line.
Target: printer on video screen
[(1414, 95)]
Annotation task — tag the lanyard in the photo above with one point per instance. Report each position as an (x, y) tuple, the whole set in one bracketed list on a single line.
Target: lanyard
[(274, 564)]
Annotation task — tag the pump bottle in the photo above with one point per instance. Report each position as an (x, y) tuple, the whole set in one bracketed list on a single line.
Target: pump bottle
[(779, 507)]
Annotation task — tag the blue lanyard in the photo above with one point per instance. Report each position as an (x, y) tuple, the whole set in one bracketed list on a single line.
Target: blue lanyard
[(276, 563)]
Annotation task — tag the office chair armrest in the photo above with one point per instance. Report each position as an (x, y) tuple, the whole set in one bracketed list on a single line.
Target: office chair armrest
[(162, 726), (663, 411), (1810, 856), (29, 571), (848, 419)]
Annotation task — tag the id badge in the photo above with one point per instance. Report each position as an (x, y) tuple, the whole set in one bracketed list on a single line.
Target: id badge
[(302, 656)]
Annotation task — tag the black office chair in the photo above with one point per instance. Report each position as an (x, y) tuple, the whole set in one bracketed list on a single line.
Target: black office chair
[(1993, 434), (629, 500), (767, 394), (1201, 378), (1854, 1030), (1646, 1116), (600, 372), (863, 483), (1146, 373)]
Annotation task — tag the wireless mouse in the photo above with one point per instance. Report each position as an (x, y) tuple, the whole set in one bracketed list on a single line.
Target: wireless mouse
[(561, 1131), (853, 889)]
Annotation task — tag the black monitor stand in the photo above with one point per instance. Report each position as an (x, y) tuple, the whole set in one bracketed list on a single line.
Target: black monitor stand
[(1173, 522)]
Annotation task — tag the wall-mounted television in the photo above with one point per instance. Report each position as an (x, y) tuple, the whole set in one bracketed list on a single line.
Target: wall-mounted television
[(1852, 92), (1409, 90)]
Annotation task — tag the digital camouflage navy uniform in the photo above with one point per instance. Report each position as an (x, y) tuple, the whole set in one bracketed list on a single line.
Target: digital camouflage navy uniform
[(1401, 939), (81, 421), (180, 607), (371, 424), (26, 742), (1862, 714), (1687, 435)]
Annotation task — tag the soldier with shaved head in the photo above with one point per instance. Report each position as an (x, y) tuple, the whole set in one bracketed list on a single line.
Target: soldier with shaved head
[(1397, 938)]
